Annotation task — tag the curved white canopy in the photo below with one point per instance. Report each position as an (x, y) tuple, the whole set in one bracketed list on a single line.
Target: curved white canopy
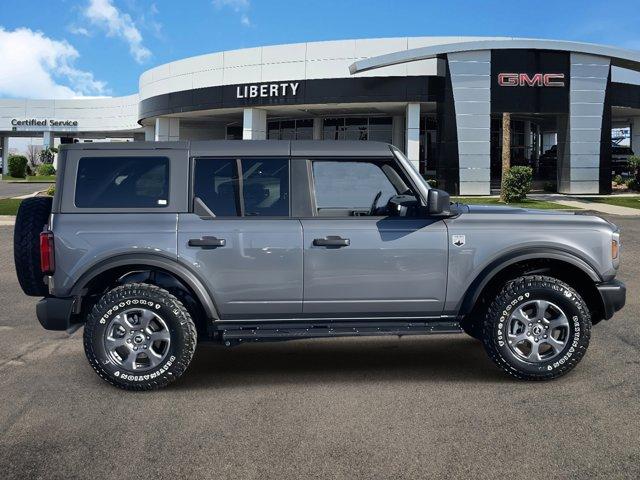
[(619, 57)]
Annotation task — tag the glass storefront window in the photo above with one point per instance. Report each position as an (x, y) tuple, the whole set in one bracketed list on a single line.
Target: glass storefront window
[(290, 129), (358, 128)]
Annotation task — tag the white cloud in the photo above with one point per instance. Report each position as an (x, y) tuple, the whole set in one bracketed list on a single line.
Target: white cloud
[(78, 30), (36, 66), (104, 14), (238, 6)]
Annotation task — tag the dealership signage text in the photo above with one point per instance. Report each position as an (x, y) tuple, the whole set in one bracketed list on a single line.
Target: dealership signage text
[(534, 80), (267, 90), (33, 122)]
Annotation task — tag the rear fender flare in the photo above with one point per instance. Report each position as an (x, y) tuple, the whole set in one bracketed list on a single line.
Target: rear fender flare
[(180, 271)]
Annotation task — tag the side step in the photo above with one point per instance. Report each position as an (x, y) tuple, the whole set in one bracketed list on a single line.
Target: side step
[(256, 332)]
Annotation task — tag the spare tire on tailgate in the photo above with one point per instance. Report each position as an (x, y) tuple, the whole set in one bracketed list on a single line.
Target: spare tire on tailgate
[(33, 215)]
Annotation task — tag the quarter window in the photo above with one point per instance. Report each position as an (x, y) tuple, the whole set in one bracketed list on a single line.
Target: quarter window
[(122, 182), (247, 187)]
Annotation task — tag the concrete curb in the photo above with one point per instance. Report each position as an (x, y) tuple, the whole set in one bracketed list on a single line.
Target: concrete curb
[(7, 220)]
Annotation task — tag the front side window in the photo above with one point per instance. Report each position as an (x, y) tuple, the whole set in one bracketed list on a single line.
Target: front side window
[(246, 187), (351, 187), (122, 182)]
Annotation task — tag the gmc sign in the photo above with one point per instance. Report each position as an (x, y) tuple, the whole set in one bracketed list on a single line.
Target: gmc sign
[(535, 80)]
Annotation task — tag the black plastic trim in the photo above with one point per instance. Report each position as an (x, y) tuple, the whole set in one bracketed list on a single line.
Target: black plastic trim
[(182, 272), (614, 295), (482, 280), (55, 313)]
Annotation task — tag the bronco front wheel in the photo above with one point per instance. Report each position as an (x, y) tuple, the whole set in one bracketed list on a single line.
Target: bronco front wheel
[(139, 337), (537, 328)]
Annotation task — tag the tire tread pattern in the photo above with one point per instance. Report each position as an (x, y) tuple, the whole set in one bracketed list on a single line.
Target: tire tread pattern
[(516, 287), (33, 215), (148, 291)]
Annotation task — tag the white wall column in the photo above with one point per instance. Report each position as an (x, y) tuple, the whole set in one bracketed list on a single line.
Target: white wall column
[(149, 133), (397, 132), (254, 124), (635, 135), (412, 133), (317, 128), (4, 145), (47, 140), (167, 129)]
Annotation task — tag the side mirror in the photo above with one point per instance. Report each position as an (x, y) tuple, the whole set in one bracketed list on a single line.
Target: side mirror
[(438, 202)]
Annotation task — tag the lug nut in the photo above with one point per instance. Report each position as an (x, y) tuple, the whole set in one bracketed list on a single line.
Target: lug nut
[(128, 340)]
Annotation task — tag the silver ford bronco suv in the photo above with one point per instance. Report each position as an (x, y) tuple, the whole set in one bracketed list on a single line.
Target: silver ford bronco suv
[(156, 246)]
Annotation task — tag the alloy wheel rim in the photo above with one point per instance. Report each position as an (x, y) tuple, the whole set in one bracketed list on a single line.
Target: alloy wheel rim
[(137, 339), (537, 331)]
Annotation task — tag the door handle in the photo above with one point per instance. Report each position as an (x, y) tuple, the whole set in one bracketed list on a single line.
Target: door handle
[(205, 242), (332, 241)]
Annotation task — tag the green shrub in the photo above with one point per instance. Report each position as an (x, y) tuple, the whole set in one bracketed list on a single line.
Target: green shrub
[(47, 155), (517, 184), (51, 190), (634, 166), (632, 183), (17, 166), (45, 169), (29, 170), (618, 180)]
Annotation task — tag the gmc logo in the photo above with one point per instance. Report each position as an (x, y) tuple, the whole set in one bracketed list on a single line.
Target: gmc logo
[(535, 80)]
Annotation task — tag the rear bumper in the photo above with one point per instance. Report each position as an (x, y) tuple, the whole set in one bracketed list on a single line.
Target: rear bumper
[(55, 313), (614, 295)]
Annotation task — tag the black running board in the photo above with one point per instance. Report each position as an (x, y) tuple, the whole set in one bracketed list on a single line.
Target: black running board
[(233, 333)]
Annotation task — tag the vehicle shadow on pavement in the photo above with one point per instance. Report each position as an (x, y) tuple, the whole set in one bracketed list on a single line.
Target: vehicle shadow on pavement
[(434, 359)]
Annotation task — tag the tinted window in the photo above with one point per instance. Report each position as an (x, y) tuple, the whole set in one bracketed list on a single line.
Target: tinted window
[(264, 185), (122, 182), (216, 183), (350, 185)]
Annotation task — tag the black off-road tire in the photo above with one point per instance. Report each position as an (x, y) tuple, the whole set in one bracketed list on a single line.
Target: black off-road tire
[(33, 215), (516, 293), (183, 336)]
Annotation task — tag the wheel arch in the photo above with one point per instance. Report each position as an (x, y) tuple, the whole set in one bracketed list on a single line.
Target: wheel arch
[(568, 267), (132, 263)]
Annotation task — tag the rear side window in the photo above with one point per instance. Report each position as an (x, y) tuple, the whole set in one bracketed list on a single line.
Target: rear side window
[(122, 182), (246, 187)]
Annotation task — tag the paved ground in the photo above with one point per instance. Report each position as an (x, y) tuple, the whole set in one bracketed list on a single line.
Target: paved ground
[(8, 190), (430, 407), (577, 202)]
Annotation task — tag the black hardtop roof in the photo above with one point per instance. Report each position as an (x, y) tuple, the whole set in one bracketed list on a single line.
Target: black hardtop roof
[(296, 148)]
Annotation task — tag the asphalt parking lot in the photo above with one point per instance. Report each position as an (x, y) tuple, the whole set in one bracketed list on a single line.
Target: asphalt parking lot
[(8, 189), (430, 407)]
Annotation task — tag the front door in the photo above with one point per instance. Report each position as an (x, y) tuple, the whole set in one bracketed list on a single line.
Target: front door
[(246, 247), (361, 262)]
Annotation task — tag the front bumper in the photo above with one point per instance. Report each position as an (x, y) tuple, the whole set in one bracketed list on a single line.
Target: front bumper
[(614, 295), (56, 313)]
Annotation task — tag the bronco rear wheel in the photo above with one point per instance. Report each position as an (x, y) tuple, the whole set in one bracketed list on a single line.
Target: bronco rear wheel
[(139, 337), (537, 328)]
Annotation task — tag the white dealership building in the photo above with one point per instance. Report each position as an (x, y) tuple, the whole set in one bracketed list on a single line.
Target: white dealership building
[(439, 99)]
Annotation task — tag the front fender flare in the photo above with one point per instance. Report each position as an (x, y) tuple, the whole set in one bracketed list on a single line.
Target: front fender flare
[(496, 266)]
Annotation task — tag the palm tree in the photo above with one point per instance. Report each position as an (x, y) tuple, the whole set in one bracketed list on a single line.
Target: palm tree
[(506, 152)]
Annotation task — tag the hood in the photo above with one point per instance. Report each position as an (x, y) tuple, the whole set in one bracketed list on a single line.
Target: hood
[(503, 209)]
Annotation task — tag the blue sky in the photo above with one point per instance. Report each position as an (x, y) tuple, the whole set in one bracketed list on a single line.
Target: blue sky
[(66, 48)]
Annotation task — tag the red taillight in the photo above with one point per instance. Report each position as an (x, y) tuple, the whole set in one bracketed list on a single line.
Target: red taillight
[(47, 257)]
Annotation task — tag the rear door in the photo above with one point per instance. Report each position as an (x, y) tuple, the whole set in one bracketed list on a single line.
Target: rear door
[(359, 260), (242, 239)]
